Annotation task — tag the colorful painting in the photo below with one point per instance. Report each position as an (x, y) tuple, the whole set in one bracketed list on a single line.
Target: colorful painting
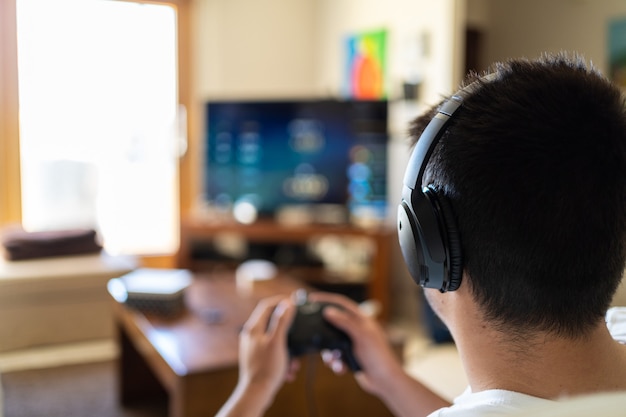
[(617, 51), (366, 65)]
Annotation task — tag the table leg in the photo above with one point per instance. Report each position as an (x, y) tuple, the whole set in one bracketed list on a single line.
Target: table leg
[(136, 381), (203, 394)]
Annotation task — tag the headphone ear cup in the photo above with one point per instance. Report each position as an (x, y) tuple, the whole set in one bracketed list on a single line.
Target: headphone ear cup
[(452, 239)]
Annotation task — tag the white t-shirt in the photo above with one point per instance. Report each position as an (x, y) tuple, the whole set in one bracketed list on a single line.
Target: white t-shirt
[(498, 402)]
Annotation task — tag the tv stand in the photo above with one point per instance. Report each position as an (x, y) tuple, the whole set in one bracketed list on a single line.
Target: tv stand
[(197, 233)]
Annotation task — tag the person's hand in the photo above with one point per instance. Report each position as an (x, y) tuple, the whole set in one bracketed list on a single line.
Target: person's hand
[(370, 343), (264, 363)]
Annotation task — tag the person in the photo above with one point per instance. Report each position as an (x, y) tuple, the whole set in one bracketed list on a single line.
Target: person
[(532, 165)]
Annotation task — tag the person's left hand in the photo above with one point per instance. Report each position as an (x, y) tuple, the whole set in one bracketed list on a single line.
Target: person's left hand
[(264, 363)]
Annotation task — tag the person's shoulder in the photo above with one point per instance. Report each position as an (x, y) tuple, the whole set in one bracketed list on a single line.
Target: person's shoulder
[(490, 403), (601, 404), (494, 403)]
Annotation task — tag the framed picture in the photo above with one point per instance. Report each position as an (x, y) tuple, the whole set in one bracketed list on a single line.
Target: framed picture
[(365, 73), (617, 51)]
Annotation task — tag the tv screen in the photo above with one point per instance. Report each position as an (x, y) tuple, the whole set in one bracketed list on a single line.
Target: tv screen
[(277, 154)]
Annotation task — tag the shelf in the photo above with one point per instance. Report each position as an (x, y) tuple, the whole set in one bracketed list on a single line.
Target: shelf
[(374, 281), (268, 230)]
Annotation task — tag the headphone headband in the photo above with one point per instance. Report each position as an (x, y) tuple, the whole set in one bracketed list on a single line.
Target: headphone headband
[(427, 141)]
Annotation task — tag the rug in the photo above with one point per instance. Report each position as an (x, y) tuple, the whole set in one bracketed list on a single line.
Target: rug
[(84, 390)]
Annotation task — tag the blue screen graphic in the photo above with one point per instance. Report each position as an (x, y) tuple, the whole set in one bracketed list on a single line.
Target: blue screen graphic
[(284, 153)]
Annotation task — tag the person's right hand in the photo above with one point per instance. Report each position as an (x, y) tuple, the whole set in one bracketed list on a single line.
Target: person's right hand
[(264, 363), (370, 344)]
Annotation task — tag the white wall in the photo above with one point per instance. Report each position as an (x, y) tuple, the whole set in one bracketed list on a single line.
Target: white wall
[(422, 36), (278, 48), (255, 48)]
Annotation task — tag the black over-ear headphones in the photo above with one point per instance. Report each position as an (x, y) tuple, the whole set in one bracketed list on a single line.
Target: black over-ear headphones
[(427, 229)]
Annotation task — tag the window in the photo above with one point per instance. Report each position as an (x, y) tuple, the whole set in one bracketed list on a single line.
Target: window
[(99, 120)]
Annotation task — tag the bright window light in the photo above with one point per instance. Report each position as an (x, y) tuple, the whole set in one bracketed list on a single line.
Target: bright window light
[(98, 120)]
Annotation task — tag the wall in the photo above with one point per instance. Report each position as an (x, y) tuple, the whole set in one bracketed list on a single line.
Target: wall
[(528, 28), (278, 48), (255, 48), (422, 35), (477, 13)]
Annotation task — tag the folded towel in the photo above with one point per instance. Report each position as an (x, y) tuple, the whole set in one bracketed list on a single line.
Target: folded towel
[(19, 244)]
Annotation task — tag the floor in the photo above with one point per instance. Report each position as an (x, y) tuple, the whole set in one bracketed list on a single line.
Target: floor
[(44, 357), (436, 365)]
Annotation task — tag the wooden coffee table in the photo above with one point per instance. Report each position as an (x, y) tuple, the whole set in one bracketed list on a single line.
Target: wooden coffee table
[(193, 358)]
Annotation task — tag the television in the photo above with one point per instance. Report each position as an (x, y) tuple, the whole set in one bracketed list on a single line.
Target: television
[(277, 154)]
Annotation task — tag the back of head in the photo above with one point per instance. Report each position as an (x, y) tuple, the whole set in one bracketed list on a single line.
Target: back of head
[(534, 167)]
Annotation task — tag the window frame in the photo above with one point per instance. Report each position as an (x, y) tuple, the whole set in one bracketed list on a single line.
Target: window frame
[(10, 187), (10, 196)]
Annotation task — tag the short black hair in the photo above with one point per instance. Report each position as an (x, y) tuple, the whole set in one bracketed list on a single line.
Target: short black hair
[(534, 167)]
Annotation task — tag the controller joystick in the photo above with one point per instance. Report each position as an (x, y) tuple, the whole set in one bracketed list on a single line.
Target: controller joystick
[(310, 332)]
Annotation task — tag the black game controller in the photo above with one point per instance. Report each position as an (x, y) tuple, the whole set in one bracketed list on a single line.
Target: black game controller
[(310, 332)]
